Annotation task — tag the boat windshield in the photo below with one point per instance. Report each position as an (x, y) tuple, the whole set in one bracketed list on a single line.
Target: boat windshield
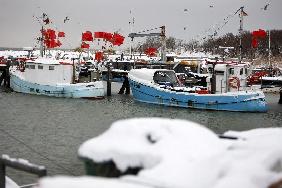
[(166, 78)]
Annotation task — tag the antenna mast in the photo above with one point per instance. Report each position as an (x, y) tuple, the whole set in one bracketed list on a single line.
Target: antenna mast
[(131, 24), (42, 38), (241, 31)]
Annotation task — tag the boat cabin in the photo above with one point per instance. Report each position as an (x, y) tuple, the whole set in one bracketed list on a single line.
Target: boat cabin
[(229, 77), (47, 72)]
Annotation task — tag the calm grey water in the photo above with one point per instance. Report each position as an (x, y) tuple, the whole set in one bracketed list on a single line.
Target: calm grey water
[(48, 131)]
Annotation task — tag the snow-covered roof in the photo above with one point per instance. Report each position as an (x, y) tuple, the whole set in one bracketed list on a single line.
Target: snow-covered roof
[(278, 78), (43, 60), (179, 153), (144, 75)]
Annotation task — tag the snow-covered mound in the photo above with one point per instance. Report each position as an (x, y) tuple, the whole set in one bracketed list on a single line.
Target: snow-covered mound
[(86, 182), (178, 153)]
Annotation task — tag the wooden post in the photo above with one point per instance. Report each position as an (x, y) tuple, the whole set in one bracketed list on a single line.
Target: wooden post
[(213, 81), (280, 100), (109, 92), (73, 71), (2, 175)]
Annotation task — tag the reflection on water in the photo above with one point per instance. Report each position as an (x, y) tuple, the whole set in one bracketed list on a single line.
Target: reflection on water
[(55, 127)]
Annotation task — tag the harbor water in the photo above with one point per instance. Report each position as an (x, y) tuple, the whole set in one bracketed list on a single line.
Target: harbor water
[(48, 131)]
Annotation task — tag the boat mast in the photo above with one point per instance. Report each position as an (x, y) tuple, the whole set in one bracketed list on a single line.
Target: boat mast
[(131, 24), (163, 38), (42, 47), (269, 50), (41, 42), (240, 32)]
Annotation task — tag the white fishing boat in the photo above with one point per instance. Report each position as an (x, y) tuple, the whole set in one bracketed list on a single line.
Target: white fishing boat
[(51, 77)]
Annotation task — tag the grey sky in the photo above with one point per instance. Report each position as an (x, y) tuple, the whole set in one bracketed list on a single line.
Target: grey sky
[(19, 28)]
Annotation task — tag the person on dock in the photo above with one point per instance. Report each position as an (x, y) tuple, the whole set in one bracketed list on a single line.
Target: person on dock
[(5, 76), (125, 86)]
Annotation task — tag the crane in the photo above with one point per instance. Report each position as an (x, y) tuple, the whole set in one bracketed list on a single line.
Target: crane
[(161, 34)]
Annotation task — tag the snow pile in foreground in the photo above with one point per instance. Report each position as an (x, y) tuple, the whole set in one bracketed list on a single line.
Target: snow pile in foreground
[(10, 183), (182, 154), (86, 182)]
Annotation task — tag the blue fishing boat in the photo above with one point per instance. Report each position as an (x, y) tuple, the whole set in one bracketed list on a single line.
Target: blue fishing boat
[(161, 86), (51, 77)]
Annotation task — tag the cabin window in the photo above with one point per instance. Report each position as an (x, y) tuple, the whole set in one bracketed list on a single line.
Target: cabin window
[(32, 66), (231, 71), (27, 66), (246, 71), (165, 77), (219, 72), (40, 67), (51, 67), (241, 71)]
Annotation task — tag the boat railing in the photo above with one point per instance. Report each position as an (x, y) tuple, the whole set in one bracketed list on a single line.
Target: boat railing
[(18, 164)]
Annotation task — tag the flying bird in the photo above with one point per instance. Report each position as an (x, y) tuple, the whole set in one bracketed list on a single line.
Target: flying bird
[(211, 6), (66, 19), (266, 6), (185, 10)]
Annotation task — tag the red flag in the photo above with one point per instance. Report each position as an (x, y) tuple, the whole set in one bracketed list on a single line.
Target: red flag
[(99, 34), (151, 51), (117, 39), (87, 36), (58, 43), (254, 43), (49, 34), (50, 43), (108, 36), (84, 45), (262, 33), (259, 34), (99, 56), (61, 34)]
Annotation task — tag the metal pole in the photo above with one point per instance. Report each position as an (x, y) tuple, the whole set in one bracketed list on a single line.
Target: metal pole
[(163, 43), (240, 33)]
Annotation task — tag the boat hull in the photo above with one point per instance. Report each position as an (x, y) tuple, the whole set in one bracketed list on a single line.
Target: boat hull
[(90, 90), (243, 101)]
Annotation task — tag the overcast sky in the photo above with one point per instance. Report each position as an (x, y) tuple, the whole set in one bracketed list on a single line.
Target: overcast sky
[(19, 26)]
